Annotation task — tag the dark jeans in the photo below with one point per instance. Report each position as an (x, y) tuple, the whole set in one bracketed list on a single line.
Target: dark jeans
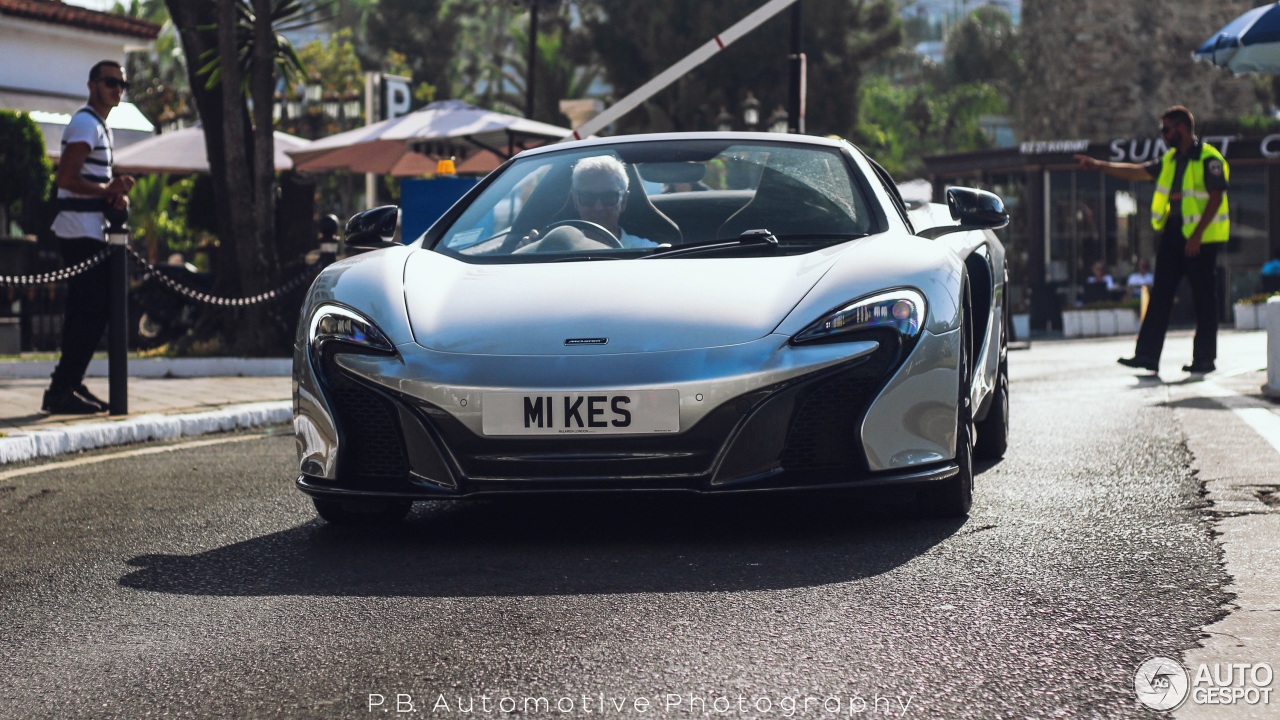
[(1171, 264), (86, 316)]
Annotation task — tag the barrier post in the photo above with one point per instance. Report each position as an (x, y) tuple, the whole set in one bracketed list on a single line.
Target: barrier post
[(118, 327), (1270, 321)]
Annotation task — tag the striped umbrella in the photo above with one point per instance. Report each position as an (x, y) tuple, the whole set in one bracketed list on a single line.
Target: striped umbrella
[(1248, 44)]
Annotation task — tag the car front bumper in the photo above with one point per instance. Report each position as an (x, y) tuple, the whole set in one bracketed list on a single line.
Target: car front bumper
[(759, 416)]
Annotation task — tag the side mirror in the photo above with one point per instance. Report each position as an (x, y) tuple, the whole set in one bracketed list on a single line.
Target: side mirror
[(373, 229), (975, 209)]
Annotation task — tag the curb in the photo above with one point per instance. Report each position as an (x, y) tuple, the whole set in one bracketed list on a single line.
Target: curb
[(87, 436), (160, 368)]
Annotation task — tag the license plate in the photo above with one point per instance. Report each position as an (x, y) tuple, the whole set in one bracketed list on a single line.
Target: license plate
[(615, 412)]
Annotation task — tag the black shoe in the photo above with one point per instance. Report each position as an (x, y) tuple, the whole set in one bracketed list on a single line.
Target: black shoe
[(83, 393), (1199, 368), (1140, 362), (66, 402)]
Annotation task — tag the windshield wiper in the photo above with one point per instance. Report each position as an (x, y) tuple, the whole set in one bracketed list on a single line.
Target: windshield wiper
[(751, 238), (821, 237), (585, 258)]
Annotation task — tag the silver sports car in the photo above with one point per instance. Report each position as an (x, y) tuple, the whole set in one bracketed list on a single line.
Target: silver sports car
[(706, 312)]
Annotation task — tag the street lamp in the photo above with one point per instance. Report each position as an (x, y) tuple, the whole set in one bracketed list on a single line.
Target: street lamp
[(751, 112), (778, 120), (724, 121)]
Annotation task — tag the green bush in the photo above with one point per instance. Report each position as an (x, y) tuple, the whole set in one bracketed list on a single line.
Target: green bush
[(27, 172)]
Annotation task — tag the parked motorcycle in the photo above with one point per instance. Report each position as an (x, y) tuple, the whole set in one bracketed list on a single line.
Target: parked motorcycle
[(159, 314)]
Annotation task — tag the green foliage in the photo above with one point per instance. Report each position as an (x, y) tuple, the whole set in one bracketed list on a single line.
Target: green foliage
[(334, 62), (901, 125), (27, 173), (927, 109), (158, 214), (1126, 304), (636, 41), (423, 34), (395, 63), (983, 48), (1258, 124), (287, 63), (158, 73), (1258, 299), (485, 46), (559, 76)]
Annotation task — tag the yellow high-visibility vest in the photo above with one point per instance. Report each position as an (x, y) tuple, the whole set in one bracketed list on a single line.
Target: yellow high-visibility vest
[(1195, 198)]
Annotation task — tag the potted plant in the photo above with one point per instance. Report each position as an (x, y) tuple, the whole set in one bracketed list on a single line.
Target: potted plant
[(1126, 314), (1248, 311), (1106, 318)]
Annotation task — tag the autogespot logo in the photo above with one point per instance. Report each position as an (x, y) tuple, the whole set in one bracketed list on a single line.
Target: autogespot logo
[(1161, 683)]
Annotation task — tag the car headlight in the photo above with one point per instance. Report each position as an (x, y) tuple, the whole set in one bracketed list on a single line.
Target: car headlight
[(902, 310), (334, 323)]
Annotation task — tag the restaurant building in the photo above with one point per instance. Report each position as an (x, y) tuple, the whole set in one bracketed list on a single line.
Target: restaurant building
[(1064, 219)]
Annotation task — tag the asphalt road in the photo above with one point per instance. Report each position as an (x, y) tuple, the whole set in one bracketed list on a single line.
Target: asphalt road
[(197, 583)]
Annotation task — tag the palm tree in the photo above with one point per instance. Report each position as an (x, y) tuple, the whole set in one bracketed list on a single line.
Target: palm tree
[(234, 52), (560, 76)]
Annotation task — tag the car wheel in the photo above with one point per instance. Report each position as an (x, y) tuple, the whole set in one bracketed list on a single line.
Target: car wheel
[(952, 498), (993, 431), (362, 512)]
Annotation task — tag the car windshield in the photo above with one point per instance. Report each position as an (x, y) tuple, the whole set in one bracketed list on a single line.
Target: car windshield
[(682, 198)]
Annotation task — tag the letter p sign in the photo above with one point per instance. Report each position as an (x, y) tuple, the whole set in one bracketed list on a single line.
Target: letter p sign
[(396, 95)]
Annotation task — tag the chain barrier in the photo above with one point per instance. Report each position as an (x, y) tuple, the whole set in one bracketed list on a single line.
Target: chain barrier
[(198, 296), (152, 271), (56, 275)]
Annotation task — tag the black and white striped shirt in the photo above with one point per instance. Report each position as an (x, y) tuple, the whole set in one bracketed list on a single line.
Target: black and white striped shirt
[(81, 215)]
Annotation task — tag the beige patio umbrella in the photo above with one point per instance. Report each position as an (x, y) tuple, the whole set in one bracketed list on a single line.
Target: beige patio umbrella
[(182, 152), (411, 144)]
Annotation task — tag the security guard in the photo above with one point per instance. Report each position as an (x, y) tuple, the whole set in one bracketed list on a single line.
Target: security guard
[(1189, 210)]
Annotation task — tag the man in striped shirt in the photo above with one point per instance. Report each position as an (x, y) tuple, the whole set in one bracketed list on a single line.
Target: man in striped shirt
[(85, 189)]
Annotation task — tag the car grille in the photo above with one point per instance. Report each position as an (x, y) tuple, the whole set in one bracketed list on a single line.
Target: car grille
[(372, 443), (824, 428)]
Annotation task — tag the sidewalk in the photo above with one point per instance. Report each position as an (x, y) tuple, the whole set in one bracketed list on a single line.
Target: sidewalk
[(160, 408)]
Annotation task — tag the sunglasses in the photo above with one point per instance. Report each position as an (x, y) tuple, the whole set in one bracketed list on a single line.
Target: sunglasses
[(114, 83), (1166, 129), (606, 198)]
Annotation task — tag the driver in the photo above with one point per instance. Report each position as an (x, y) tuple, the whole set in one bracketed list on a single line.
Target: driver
[(599, 193)]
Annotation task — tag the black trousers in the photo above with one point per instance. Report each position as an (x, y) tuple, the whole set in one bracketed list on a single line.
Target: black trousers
[(1171, 265), (87, 309)]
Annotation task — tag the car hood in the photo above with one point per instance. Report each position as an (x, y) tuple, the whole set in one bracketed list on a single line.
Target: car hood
[(630, 305)]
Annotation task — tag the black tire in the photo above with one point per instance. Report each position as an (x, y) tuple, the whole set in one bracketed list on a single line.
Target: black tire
[(362, 512), (953, 497), (993, 431)]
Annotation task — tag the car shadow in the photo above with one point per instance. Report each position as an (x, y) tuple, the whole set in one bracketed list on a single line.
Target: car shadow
[(1198, 403), (568, 545)]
